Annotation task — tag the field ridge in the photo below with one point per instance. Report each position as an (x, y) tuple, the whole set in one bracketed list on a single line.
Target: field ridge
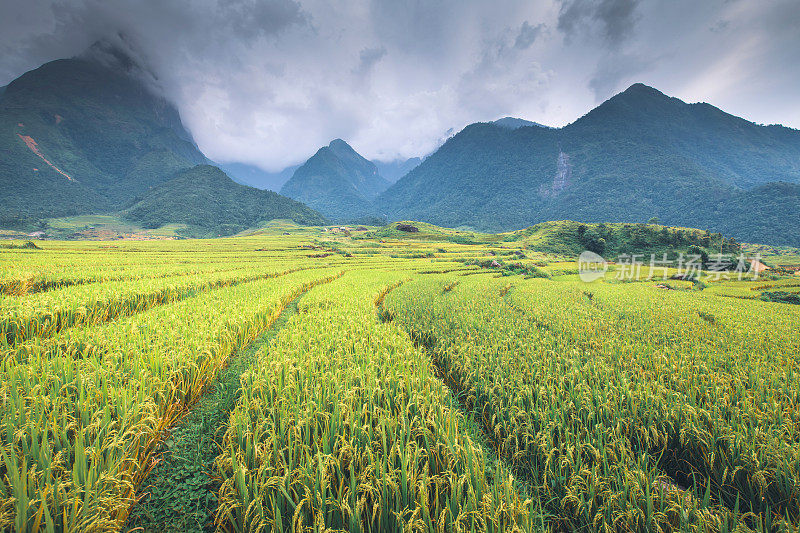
[(179, 495)]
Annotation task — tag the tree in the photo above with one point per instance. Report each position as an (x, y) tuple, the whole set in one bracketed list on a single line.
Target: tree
[(698, 251), (594, 242), (654, 220)]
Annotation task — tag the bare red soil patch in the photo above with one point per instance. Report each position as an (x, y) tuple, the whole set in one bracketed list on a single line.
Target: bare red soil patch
[(28, 140)]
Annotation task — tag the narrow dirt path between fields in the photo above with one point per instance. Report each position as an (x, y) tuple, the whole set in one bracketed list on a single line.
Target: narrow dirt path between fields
[(180, 495)]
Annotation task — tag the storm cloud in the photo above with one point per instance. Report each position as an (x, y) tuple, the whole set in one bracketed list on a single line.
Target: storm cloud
[(269, 82)]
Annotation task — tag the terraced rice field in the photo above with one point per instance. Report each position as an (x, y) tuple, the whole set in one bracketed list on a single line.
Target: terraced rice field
[(164, 386)]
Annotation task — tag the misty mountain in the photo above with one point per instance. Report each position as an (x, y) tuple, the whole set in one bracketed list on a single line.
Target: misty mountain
[(394, 170), (514, 123), (337, 182), (212, 204), (638, 155), (255, 177), (86, 135), (261, 179)]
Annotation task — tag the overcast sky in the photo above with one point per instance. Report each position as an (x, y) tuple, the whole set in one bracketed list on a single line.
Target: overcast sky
[(269, 82)]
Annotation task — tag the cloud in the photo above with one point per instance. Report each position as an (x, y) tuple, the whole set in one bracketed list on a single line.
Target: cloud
[(618, 18), (251, 19), (268, 82), (613, 70), (368, 57), (527, 35), (615, 20), (504, 74)]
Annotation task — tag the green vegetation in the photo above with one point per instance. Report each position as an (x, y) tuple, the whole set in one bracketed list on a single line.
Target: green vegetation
[(74, 460), (568, 239), (104, 227), (180, 494), (48, 313), (615, 420), (83, 136), (211, 204), (640, 154), (428, 232), (107, 138), (571, 238), (778, 256), (337, 182), (343, 425), (781, 296), (422, 384), (27, 245)]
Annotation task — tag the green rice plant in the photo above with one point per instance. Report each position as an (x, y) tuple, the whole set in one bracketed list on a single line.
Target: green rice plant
[(403, 396), (342, 426), (82, 411), (48, 313), (629, 410)]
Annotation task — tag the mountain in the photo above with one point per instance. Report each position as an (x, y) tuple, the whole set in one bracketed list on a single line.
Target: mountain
[(394, 170), (86, 135), (211, 204), (638, 155), (255, 177), (766, 214), (514, 123), (260, 179), (337, 182)]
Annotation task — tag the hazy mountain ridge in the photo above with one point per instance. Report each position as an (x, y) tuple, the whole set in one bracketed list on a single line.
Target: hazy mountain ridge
[(254, 176), (89, 135), (337, 182), (394, 170), (210, 202), (639, 154), (514, 123), (79, 136)]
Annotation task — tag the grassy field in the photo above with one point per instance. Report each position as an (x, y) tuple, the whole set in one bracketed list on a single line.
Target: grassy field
[(374, 379)]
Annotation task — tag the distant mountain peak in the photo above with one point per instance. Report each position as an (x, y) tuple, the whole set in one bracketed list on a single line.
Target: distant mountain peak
[(342, 149), (639, 154), (337, 181), (637, 102), (513, 123), (640, 90), (639, 86), (95, 119)]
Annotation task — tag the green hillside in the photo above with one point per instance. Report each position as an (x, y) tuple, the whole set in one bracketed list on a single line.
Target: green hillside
[(211, 204), (570, 238), (337, 182), (640, 154), (85, 135), (424, 232)]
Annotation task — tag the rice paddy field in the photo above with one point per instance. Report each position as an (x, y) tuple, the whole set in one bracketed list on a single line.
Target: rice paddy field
[(310, 380)]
